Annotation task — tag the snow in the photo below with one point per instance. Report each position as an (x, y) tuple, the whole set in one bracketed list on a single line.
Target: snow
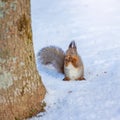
[(95, 27)]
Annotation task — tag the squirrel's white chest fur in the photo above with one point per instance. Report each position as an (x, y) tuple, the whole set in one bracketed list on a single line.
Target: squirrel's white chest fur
[(72, 72)]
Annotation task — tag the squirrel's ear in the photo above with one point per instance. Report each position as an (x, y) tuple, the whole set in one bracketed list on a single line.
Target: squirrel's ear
[(72, 45)]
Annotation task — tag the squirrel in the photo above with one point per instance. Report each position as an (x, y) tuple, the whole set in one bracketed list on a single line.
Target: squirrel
[(69, 63)]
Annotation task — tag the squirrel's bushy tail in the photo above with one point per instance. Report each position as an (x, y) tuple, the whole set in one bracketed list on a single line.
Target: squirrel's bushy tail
[(52, 55)]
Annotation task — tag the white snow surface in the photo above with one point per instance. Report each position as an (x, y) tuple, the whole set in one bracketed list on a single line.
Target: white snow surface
[(95, 27)]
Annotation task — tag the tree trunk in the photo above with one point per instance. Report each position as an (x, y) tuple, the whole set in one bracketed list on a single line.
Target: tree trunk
[(21, 89)]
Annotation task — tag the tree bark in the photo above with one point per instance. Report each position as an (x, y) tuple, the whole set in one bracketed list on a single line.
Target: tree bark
[(21, 88)]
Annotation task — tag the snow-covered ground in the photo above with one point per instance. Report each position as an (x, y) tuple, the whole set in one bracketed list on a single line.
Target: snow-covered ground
[(95, 26)]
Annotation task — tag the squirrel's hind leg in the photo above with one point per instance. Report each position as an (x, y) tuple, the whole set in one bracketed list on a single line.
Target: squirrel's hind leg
[(81, 78), (66, 79)]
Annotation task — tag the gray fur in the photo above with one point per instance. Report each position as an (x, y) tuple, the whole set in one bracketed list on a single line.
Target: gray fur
[(52, 55)]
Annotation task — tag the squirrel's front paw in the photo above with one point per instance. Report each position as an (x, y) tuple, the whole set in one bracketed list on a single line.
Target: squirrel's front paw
[(67, 60), (75, 61)]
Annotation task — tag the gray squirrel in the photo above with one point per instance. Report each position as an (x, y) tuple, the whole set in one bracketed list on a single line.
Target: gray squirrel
[(69, 63)]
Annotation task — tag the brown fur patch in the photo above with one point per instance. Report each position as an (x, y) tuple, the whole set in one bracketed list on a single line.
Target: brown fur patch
[(71, 59)]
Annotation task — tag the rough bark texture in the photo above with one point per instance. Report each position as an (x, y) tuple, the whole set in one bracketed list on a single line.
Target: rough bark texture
[(21, 89)]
